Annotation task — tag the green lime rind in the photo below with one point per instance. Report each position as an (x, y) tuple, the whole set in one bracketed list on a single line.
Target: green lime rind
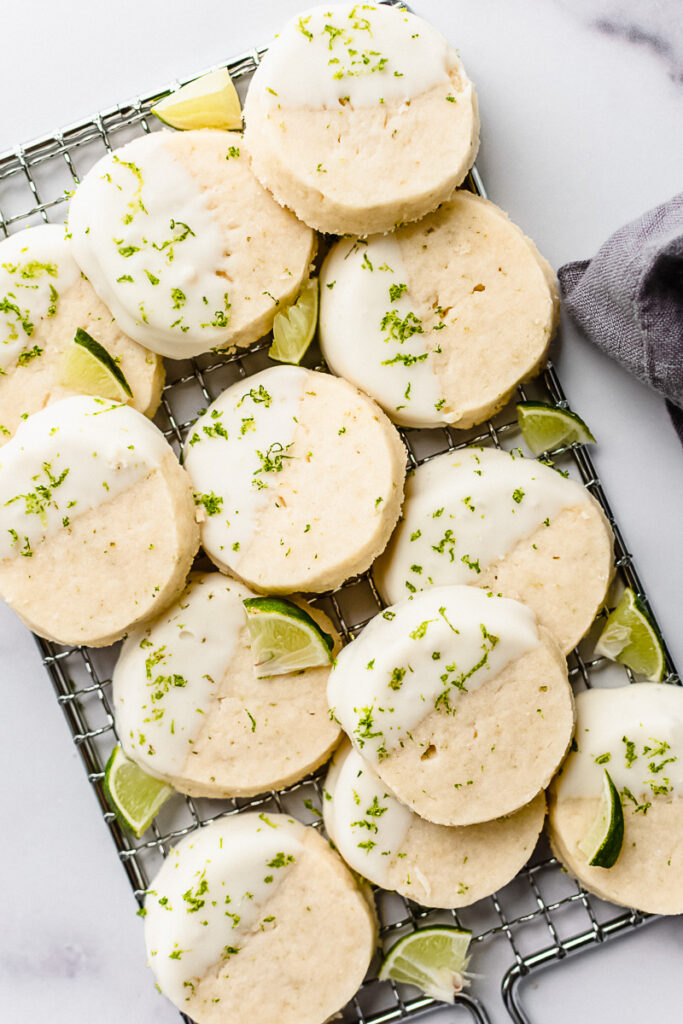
[(294, 327), (99, 352), (603, 842), (431, 959), (545, 427), (208, 102), (134, 796), (630, 637), (284, 637)]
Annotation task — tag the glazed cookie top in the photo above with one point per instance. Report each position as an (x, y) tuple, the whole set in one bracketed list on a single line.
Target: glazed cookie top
[(267, 460), (161, 230), (421, 656), (342, 79), (191, 708), (465, 510), (634, 732), (66, 460), (36, 269), (441, 319), (360, 54)]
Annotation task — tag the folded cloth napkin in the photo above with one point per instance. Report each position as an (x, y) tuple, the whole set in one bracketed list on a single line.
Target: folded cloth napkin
[(629, 300)]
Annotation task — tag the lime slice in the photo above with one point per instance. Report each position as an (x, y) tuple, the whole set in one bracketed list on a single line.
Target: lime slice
[(284, 638), (545, 427), (603, 841), (631, 637), (88, 367), (134, 796), (294, 327), (432, 959), (209, 102)]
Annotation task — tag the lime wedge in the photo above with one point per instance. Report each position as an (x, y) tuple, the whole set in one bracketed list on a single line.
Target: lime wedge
[(603, 841), (284, 638), (545, 427), (134, 796), (88, 367), (432, 959), (631, 638), (209, 102), (294, 327)]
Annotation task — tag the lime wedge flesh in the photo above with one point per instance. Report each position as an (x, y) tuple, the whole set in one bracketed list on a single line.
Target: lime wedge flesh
[(88, 367), (209, 102), (545, 427), (285, 638), (134, 796), (432, 959), (631, 638), (294, 327), (604, 839)]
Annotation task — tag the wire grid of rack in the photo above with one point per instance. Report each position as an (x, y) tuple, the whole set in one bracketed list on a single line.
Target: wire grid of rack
[(542, 915)]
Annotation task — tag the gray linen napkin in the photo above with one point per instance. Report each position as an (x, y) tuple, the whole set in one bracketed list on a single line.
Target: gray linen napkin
[(629, 300)]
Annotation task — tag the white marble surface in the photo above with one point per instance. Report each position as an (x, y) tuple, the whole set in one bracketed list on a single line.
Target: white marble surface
[(581, 105)]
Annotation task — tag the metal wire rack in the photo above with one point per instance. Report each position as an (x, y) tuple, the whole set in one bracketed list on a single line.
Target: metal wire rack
[(542, 915)]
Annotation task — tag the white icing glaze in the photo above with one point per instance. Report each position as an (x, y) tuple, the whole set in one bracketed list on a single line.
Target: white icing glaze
[(259, 416), (465, 510), (418, 656), (36, 268), (216, 886), (364, 819), (66, 459), (152, 249), (632, 732), (365, 53), (168, 675), (361, 326)]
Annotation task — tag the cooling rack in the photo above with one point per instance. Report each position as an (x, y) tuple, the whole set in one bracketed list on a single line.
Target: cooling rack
[(542, 916)]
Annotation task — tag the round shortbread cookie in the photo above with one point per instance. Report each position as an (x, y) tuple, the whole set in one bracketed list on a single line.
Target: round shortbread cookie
[(459, 702), (184, 246), (300, 479), (360, 117), (441, 320), (635, 733), (255, 918), (190, 709), (436, 866), (97, 527), (502, 522), (43, 300)]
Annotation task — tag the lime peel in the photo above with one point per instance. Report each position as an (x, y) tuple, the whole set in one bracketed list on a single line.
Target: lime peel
[(135, 796), (294, 327), (88, 367), (432, 959), (284, 637), (630, 637), (545, 427), (208, 102), (605, 837)]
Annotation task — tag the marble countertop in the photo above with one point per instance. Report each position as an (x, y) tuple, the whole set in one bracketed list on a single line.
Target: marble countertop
[(581, 112)]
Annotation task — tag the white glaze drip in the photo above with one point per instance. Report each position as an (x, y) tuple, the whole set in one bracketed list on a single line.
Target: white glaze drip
[(66, 459), (258, 416), (36, 268), (634, 732), (364, 819), (365, 310), (152, 249), (356, 53), (168, 675), (465, 510), (216, 886), (418, 657)]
